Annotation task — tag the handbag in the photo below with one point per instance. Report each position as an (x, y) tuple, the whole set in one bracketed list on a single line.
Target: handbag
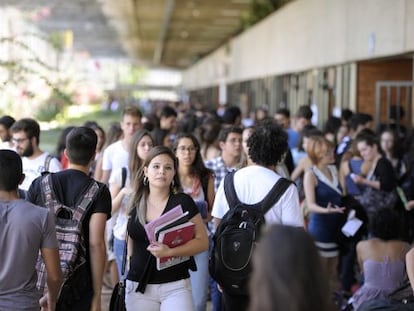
[(117, 302), (373, 199), (376, 199), (350, 203), (403, 294)]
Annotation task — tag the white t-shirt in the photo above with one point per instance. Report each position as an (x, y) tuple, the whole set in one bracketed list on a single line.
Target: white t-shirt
[(252, 184), (33, 168), (114, 157), (5, 145), (121, 221)]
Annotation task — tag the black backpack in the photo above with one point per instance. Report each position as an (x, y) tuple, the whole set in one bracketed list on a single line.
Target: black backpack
[(236, 235)]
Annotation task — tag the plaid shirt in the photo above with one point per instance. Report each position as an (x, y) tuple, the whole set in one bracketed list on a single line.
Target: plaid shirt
[(220, 170)]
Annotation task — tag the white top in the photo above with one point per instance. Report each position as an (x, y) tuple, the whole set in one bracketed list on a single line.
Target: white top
[(121, 221), (6, 145), (252, 184), (33, 168), (115, 156), (199, 197)]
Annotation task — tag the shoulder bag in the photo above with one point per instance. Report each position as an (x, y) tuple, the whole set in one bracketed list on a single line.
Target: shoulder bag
[(117, 302)]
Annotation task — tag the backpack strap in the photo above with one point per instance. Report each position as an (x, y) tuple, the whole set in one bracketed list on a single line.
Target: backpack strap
[(85, 201), (48, 196), (229, 190), (47, 193), (47, 162), (268, 201), (123, 177), (275, 194)]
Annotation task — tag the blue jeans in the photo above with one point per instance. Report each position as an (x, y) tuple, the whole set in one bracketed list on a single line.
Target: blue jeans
[(199, 281), (119, 246), (216, 296)]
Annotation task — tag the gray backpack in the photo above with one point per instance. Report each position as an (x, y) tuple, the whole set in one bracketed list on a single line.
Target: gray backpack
[(69, 231)]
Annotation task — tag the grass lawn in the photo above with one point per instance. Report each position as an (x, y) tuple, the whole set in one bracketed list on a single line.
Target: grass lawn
[(74, 116)]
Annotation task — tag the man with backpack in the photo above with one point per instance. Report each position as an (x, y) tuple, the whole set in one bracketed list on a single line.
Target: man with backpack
[(255, 199), (230, 143), (81, 207)]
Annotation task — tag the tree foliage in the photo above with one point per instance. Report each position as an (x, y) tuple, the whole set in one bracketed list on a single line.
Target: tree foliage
[(259, 9), (19, 71)]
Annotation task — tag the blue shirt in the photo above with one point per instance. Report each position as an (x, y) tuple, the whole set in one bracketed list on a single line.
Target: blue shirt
[(293, 138)]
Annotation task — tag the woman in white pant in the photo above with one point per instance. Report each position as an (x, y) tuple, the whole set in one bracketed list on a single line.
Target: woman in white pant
[(155, 192), (120, 186)]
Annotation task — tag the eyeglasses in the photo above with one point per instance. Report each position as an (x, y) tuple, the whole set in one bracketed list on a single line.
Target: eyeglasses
[(19, 140), (183, 149)]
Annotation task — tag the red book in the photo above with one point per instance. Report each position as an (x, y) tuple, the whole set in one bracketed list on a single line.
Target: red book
[(173, 237), (168, 217)]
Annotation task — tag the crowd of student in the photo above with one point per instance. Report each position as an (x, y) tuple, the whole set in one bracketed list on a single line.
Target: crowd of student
[(146, 165)]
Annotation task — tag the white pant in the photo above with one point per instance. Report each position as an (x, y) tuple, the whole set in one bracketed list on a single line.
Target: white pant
[(170, 296)]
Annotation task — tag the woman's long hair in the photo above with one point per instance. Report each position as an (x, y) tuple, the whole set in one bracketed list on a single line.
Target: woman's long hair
[(197, 168), (287, 273), (134, 160), (397, 150), (208, 133), (141, 190)]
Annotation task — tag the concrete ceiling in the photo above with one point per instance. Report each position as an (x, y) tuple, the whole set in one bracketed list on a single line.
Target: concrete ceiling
[(91, 30), (157, 33)]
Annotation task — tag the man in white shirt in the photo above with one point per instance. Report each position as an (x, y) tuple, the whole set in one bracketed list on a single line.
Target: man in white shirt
[(116, 155), (26, 138), (266, 147)]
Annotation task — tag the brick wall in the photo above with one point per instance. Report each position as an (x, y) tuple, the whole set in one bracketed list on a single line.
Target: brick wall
[(370, 72)]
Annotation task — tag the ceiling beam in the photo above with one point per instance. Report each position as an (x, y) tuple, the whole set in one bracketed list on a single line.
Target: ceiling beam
[(169, 8)]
